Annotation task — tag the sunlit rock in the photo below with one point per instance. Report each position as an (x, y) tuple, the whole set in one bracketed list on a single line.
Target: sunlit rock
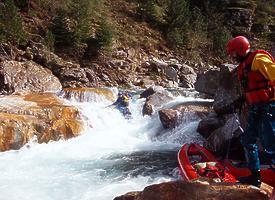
[(168, 118), (42, 116), (154, 101), (180, 190), (20, 77), (88, 94), (172, 117)]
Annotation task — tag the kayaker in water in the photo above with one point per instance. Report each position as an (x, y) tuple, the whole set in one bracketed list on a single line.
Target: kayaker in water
[(256, 74), (122, 104)]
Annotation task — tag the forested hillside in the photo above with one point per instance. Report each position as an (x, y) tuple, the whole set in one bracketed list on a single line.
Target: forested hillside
[(91, 30)]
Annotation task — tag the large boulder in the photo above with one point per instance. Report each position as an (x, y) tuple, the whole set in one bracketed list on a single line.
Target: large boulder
[(172, 117), (155, 98), (168, 118), (21, 77), (208, 82), (209, 124), (70, 74), (187, 76), (220, 138), (43, 117), (180, 190), (228, 91)]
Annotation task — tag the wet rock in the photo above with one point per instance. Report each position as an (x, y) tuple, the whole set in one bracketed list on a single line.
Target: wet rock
[(42, 117), (21, 77), (155, 100), (172, 117), (208, 125), (87, 94), (219, 139), (168, 118), (148, 92), (180, 190)]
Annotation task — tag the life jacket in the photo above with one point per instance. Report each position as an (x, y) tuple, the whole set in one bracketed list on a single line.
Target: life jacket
[(256, 87)]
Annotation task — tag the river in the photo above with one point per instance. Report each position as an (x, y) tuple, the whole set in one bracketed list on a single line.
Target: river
[(111, 157)]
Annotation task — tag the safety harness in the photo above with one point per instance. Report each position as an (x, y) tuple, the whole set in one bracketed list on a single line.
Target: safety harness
[(256, 87)]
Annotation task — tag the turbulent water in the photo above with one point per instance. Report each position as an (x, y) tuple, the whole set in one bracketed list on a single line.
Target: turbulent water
[(112, 156)]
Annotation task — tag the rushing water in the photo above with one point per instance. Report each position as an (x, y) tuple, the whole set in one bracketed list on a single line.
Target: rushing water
[(112, 156)]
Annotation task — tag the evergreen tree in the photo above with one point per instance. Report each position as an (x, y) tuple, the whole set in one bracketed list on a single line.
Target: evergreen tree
[(104, 34), (11, 27)]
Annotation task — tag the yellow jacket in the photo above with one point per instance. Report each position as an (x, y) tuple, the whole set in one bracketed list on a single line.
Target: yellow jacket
[(264, 65)]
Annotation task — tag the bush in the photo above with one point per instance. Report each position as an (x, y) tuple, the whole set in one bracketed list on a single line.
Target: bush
[(11, 28), (49, 40), (186, 26), (62, 30), (104, 34), (177, 20), (220, 37), (152, 12), (72, 24)]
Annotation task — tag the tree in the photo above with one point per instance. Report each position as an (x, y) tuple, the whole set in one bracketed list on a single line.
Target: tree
[(11, 28)]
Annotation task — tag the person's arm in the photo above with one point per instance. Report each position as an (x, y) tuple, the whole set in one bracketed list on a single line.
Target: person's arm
[(264, 64)]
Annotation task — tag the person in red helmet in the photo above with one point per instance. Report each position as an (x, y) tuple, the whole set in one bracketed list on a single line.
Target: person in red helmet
[(256, 74)]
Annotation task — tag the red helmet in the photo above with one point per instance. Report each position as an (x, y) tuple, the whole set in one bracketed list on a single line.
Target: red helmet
[(238, 45)]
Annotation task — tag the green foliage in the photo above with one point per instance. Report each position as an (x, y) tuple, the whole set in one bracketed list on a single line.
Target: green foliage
[(153, 11), (11, 27), (62, 30), (220, 37), (104, 34), (49, 40), (71, 26), (197, 32), (177, 19), (186, 26)]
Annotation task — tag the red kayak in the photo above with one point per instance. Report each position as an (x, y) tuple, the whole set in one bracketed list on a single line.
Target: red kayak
[(195, 161)]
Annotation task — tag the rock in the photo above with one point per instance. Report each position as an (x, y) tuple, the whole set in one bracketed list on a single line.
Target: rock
[(40, 116), (71, 76), (208, 82), (22, 77), (170, 73), (121, 54), (92, 77), (228, 90), (168, 118), (87, 94), (208, 125), (147, 109), (148, 92), (181, 190), (219, 139), (187, 81), (155, 100), (186, 69)]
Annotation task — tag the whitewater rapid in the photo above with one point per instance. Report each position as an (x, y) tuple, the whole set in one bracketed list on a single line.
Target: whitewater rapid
[(111, 157)]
